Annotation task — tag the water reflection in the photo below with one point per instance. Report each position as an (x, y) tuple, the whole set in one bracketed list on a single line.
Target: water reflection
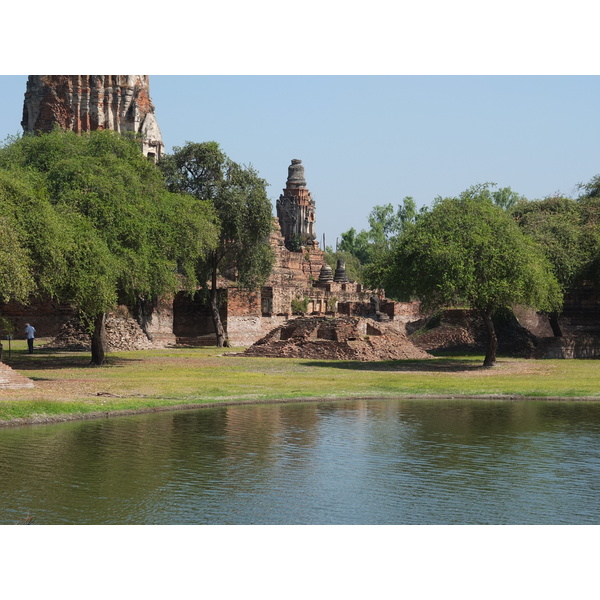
[(350, 462)]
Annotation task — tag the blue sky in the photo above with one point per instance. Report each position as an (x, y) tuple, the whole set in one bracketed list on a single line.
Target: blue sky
[(368, 140)]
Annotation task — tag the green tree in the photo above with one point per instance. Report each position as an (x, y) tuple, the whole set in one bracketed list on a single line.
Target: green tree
[(589, 205), (556, 224), (591, 189), (386, 229), (373, 247), (468, 251), (504, 198), (16, 265), (384, 224), (356, 244), (113, 226), (244, 212)]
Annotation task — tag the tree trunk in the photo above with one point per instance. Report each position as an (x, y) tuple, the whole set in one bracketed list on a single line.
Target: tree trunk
[(222, 341), (556, 330), (492, 341), (99, 341)]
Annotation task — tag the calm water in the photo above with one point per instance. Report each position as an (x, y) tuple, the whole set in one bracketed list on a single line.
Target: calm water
[(351, 462)]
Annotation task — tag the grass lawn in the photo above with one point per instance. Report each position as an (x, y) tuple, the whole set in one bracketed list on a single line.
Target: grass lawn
[(65, 384)]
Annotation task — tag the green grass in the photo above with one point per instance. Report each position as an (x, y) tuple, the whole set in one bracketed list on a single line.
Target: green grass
[(65, 384)]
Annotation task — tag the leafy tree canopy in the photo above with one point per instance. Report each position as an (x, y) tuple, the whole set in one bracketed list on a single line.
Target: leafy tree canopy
[(556, 223), (373, 247), (243, 210), (467, 251), (503, 198), (589, 204), (101, 225), (591, 189), (16, 265)]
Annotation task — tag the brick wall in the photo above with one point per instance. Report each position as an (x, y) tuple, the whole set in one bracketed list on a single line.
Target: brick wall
[(46, 316), (242, 303)]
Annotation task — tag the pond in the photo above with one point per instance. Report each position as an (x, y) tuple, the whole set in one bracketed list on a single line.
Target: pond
[(387, 462)]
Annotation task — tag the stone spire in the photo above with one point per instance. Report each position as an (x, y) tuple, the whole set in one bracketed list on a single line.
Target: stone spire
[(93, 102), (296, 178), (296, 210), (326, 274), (340, 272)]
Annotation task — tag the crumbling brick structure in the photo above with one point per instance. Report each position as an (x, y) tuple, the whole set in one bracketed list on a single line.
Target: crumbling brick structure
[(300, 281), (93, 102), (296, 209), (342, 338)]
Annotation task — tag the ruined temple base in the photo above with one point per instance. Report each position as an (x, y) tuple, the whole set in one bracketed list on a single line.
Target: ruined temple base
[(122, 334), (11, 380), (342, 338), (463, 330), (582, 346)]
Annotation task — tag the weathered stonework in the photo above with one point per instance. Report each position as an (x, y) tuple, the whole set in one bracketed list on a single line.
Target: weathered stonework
[(93, 102), (122, 103), (343, 338), (11, 380), (300, 274), (156, 319), (123, 333), (47, 316), (296, 209)]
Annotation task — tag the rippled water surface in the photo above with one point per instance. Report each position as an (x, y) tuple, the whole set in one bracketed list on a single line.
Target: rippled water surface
[(350, 462)]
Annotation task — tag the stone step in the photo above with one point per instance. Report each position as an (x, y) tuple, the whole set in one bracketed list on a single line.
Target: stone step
[(10, 380)]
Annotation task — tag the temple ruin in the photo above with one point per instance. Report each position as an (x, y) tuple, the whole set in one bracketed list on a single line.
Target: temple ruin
[(81, 103), (341, 338), (301, 282), (296, 209)]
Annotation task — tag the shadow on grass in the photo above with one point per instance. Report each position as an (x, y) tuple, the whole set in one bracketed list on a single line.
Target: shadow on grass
[(439, 365), (51, 362)]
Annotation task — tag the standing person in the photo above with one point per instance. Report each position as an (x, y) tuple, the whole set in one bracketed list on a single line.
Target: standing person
[(30, 333)]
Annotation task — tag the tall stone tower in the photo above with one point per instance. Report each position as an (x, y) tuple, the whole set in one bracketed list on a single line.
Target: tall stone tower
[(296, 209), (93, 102)]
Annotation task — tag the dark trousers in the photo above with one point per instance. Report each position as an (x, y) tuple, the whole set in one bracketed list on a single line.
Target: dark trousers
[(30, 345)]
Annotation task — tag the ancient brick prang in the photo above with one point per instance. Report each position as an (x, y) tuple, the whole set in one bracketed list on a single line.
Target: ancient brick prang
[(296, 209), (93, 102)]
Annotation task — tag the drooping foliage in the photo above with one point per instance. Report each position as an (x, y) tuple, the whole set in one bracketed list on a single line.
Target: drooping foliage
[(16, 265), (568, 232), (556, 225), (589, 204), (99, 224), (468, 252)]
